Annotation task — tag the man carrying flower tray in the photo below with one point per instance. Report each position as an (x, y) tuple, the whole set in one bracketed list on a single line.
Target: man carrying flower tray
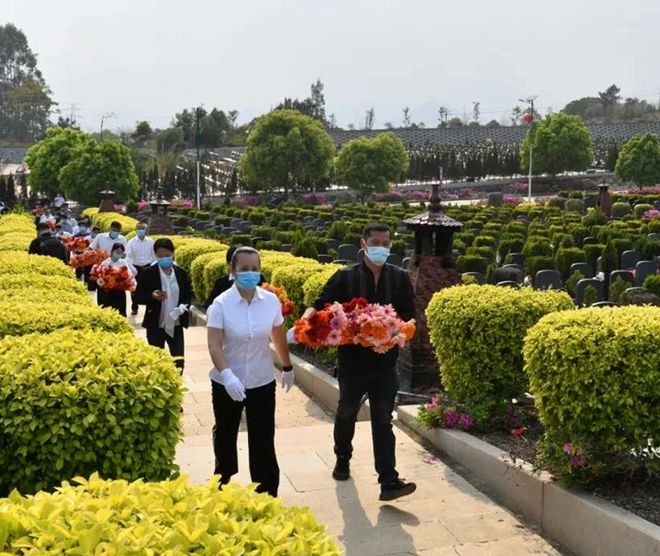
[(368, 366)]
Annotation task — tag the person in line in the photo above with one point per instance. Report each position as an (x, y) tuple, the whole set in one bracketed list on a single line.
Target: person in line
[(91, 284), (115, 299), (47, 244), (106, 240), (81, 229), (58, 201), (140, 252), (225, 282), (241, 323), (363, 371), (165, 290), (47, 217)]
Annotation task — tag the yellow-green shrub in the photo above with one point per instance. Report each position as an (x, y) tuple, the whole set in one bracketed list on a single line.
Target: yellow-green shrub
[(292, 278), (76, 402), (18, 262), (271, 260), (49, 296), (197, 270), (212, 271), (16, 241), (186, 254), (32, 282), (595, 376), (103, 220), (36, 316), (477, 333), (171, 518), (11, 223), (314, 284)]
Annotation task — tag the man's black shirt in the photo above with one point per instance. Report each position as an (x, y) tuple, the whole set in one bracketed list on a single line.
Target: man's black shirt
[(394, 287), (48, 245)]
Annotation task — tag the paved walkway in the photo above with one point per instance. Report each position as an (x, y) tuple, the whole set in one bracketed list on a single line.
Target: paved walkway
[(446, 516)]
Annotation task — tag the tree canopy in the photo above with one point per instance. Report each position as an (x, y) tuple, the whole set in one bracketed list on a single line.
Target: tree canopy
[(561, 143), (25, 99), (370, 165), (287, 150), (639, 160)]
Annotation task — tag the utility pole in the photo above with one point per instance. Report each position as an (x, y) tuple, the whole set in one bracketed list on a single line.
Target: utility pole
[(197, 117), (530, 100)]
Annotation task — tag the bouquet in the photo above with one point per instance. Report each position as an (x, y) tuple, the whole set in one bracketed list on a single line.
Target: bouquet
[(76, 244), (357, 322), (288, 307), (90, 257), (112, 278)]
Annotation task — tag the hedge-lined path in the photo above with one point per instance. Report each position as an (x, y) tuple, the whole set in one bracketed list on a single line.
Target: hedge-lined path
[(446, 516)]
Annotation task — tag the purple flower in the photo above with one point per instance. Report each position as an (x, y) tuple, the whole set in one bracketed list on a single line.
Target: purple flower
[(568, 447), (653, 213), (450, 419), (465, 421), (577, 461)]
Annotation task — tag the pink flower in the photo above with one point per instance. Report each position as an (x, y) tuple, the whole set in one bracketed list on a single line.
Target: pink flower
[(568, 447)]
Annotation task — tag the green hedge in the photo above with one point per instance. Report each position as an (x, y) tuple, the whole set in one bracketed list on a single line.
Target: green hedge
[(76, 402), (477, 333), (198, 269), (184, 256), (43, 317), (17, 262), (595, 376), (42, 282), (170, 518), (292, 278)]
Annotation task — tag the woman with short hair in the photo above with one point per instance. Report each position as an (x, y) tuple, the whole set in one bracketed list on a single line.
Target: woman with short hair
[(115, 298)]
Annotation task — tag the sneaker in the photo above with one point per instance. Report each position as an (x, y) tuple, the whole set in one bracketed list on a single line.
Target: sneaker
[(342, 470), (396, 489)]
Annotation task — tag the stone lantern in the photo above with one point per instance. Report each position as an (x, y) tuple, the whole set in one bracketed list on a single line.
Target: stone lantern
[(159, 222), (107, 201), (432, 268), (604, 201)]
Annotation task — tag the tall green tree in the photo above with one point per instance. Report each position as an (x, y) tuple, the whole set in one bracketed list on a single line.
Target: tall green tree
[(25, 99), (561, 143), (370, 165), (639, 160), (96, 166), (287, 150), (49, 156)]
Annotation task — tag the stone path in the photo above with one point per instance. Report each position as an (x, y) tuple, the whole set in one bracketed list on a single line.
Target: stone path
[(446, 516)]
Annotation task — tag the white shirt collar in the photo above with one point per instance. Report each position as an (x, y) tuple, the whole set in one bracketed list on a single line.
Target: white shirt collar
[(236, 296)]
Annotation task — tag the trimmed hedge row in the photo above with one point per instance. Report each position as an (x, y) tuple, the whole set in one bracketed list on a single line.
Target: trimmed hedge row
[(75, 402), (477, 333), (18, 262), (595, 376), (170, 517)]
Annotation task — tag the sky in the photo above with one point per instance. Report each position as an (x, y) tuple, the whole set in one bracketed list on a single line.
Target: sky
[(148, 59)]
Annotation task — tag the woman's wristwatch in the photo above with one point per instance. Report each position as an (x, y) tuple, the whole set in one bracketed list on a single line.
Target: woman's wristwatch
[(287, 368)]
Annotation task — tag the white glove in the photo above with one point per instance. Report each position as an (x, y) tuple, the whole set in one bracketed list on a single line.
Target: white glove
[(287, 380), (178, 311), (234, 387), (290, 337)]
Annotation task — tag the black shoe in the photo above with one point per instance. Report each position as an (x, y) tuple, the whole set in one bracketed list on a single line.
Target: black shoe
[(342, 470), (396, 489), (134, 311)]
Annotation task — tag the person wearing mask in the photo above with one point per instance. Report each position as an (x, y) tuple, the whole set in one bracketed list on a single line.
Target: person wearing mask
[(140, 252), (363, 371), (46, 217), (242, 321), (81, 229), (225, 282), (165, 290), (58, 201), (106, 240), (47, 244), (115, 299)]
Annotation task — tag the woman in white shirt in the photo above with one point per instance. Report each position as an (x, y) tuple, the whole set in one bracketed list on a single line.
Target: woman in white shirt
[(115, 299), (241, 323)]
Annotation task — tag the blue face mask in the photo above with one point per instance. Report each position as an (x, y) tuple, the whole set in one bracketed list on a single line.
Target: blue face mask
[(114, 235), (248, 280), (378, 255), (164, 262), (115, 256), (141, 233)]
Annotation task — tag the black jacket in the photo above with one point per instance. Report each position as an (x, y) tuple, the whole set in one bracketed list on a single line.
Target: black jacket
[(221, 285), (148, 282), (48, 245)]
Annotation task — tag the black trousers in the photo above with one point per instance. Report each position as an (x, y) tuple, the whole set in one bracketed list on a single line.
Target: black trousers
[(134, 305), (259, 407), (158, 337), (381, 385), (91, 284), (112, 298)]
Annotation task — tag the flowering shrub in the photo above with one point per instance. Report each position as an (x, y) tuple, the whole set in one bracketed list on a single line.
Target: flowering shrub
[(512, 200), (653, 213), (439, 413), (355, 323), (143, 205), (171, 518), (595, 376), (183, 203), (314, 198), (96, 407)]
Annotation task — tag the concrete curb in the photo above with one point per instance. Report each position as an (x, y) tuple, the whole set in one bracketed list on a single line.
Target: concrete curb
[(582, 523)]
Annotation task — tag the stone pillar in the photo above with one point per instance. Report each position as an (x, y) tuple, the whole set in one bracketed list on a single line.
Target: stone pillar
[(107, 201), (604, 201), (417, 365), (159, 222)]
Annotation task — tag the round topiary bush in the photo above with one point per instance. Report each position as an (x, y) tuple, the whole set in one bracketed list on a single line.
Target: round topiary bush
[(471, 263), (477, 333), (171, 517), (595, 376), (652, 284), (33, 315), (566, 257), (75, 402), (621, 209)]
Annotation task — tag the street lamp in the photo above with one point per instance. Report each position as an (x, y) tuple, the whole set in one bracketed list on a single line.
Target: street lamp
[(530, 100)]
